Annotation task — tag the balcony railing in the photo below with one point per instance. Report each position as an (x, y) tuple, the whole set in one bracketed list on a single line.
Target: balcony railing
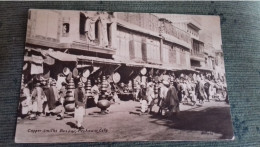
[(197, 54)]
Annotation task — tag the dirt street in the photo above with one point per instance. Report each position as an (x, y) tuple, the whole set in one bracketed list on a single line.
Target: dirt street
[(211, 121)]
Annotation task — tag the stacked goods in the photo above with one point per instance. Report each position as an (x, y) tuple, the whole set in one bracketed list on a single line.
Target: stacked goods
[(156, 88), (103, 104), (88, 88), (103, 88), (69, 100), (134, 86)]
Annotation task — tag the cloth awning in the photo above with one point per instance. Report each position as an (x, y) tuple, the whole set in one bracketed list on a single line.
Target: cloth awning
[(97, 60), (203, 69), (188, 70), (133, 64), (61, 56), (33, 59)]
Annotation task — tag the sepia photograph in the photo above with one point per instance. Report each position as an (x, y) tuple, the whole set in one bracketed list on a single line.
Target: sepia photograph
[(96, 76)]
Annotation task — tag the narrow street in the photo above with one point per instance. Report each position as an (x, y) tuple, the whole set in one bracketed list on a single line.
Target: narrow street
[(210, 121)]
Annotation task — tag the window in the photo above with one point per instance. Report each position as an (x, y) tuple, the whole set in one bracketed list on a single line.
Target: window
[(96, 29), (65, 29), (82, 22), (109, 33)]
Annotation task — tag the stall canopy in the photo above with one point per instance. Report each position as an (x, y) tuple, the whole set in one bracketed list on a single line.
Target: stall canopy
[(61, 56), (97, 60), (33, 59), (203, 69)]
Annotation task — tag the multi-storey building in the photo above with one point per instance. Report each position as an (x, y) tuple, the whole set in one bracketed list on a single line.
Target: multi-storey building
[(116, 42), (141, 40), (219, 71), (192, 25), (209, 51)]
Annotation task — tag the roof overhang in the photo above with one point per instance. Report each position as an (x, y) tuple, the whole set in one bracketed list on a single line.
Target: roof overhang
[(192, 25)]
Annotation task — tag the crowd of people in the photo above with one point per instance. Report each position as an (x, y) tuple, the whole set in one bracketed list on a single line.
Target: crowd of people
[(45, 99), (185, 89), (42, 100)]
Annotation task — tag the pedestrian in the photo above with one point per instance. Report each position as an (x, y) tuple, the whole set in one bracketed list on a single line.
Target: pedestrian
[(201, 91), (51, 96), (80, 102), (63, 90), (38, 98), (143, 98), (162, 96), (25, 101), (95, 91), (207, 88), (59, 109), (172, 102), (150, 95)]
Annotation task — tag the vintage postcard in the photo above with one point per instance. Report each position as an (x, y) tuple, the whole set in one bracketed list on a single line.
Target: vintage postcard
[(113, 76)]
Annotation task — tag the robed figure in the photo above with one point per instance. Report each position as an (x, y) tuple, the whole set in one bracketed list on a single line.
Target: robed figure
[(172, 101)]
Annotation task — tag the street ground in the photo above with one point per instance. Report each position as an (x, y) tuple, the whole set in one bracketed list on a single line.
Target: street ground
[(210, 121)]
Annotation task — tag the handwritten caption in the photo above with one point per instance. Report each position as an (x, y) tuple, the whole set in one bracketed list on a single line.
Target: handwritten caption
[(70, 131)]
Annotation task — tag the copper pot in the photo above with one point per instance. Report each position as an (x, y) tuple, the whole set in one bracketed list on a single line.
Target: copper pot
[(70, 99), (103, 104), (70, 107)]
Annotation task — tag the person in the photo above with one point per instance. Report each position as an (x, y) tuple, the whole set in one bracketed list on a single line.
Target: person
[(143, 98), (63, 91), (190, 93), (207, 88), (51, 96), (38, 98), (138, 87), (162, 96), (80, 102), (59, 109), (25, 101), (180, 89), (95, 91), (172, 102), (201, 91), (150, 96)]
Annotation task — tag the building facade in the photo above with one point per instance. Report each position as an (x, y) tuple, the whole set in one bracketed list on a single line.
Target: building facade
[(124, 41)]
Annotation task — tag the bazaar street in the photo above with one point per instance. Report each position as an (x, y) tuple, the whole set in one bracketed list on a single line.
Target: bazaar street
[(209, 121)]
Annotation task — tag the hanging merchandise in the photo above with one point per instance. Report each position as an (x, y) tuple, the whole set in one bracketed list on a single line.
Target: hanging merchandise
[(86, 73), (69, 76), (75, 73), (143, 71), (66, 71), (36, 68), (116, 77), (83, 79)]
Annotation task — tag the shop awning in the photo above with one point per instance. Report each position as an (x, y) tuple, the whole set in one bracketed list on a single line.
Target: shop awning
[(203, 69), (33, 59), (61, 56), (97, 60), (133, 64), (188, 70)]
